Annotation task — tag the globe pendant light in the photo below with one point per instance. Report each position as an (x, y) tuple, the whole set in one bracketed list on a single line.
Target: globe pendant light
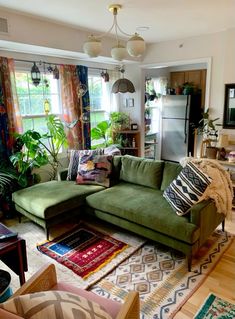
[(92, 46), (135, 45), (118, 52)]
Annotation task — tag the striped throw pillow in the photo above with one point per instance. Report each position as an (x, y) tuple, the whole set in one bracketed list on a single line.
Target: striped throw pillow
[(187, 188)]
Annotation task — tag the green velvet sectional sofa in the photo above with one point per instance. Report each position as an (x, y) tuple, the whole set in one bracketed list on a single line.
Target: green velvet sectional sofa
[(134, 201)]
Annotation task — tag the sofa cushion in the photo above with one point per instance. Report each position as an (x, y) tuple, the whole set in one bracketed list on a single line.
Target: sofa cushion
[(145, 206), (141, 171), (94, 169), (49, 199), (54, 305), (170, 172), (187, 188)]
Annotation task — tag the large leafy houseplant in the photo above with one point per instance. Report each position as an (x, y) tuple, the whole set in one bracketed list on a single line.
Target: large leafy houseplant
[(35, 150), (102, 132), (119, 121)]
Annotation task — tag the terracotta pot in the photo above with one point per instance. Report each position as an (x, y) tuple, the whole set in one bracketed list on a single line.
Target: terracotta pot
[(211, 152)]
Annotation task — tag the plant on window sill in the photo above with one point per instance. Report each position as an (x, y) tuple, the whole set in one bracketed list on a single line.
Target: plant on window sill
[(33, 150), (102, 132)]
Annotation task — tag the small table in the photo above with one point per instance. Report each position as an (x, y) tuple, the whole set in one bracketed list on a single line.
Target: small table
[(13, 254)]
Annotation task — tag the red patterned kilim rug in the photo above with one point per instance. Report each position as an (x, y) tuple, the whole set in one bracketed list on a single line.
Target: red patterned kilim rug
[(84, 250)]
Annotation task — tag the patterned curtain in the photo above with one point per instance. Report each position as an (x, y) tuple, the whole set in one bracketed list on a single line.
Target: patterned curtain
[(82, 72), (76, 108), (10, 119), (71, 107)]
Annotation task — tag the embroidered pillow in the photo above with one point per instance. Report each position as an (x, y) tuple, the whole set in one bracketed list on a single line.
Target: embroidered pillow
[(187, 188), (54, 305), (94, 169), (74, 161)]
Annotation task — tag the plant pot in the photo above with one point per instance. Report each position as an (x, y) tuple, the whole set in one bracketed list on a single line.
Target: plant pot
[(211, 152)]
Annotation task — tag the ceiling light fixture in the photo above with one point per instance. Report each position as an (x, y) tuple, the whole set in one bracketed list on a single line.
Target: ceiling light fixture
[(135, 45), (123, 85)]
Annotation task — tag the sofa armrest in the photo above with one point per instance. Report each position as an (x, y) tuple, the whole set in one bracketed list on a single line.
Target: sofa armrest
[(206, 217), (62, 174), (44, 279), (131, 308)]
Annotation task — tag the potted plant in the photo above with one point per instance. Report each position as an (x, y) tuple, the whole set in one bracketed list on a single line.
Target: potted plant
[(34, 150), (119, 121), (102, 132), (207, 128)]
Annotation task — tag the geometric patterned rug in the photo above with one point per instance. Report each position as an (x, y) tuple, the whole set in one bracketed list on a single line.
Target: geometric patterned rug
[(34, 234), (160, 275), (215, 307)]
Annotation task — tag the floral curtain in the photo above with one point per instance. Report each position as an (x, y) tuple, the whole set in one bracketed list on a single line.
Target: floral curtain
[(10, 119), (76, 106), (71, 105)]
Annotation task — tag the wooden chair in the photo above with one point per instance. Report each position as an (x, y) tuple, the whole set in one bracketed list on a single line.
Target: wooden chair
[(45, 279)]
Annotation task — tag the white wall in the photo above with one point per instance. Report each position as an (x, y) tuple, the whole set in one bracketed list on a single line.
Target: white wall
[(219, 46)]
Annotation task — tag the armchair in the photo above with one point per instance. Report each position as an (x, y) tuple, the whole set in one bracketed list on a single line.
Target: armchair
[(45, 279)]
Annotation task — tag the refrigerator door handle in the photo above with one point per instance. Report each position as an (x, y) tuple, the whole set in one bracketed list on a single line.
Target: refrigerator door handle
[(185, 121)]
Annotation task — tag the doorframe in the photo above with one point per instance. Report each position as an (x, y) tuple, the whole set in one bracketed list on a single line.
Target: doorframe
[(144, 67)]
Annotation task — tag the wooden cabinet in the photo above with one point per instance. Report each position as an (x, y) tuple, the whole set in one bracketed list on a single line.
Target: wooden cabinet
[(197, 77), (129, 142)]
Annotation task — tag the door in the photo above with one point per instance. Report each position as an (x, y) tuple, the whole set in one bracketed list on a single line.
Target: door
[(174, 139)]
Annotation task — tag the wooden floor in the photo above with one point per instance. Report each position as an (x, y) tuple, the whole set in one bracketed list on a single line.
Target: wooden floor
[(221, 281)]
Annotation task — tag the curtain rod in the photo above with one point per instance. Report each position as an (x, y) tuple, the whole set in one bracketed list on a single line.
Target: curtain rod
[(43, 62)]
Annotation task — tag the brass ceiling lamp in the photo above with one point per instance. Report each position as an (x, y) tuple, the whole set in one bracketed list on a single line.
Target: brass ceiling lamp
[(123, 85), (135, 45)]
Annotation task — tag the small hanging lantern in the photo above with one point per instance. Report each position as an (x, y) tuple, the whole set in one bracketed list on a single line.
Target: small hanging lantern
[(46, 106), (35, 74), (56, 73)]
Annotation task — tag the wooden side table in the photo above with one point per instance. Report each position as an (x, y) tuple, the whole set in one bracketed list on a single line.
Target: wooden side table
[(13, 254)]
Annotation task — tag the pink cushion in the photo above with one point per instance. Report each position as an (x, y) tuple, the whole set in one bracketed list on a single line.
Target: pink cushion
[(8, 315), (110, 306)]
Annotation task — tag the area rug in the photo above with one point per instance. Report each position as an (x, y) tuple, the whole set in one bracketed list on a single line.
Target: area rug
[(83, 250), (160, 275), (215, 307), (33, 234)]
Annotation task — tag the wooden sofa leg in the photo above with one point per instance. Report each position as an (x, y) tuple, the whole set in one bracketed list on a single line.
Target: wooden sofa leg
[(19, 216), (189, 262), (223, 224), (47, 233)]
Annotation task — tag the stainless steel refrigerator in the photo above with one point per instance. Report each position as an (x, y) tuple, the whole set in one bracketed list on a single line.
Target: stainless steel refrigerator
[(180, 113)]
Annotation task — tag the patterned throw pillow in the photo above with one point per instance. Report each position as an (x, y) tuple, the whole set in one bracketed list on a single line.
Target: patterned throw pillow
[(74, 161), (187, 188), (94, 169), (54, 305)]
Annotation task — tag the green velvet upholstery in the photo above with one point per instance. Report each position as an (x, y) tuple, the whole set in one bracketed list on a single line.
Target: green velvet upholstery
[(170, 172), (141, 171), (134, 201), (144, 206)]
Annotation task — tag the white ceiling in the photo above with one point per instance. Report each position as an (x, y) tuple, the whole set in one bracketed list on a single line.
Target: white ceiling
[(166, 19)]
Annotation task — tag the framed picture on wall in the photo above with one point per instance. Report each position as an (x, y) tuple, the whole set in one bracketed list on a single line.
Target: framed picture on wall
[(130, 102)]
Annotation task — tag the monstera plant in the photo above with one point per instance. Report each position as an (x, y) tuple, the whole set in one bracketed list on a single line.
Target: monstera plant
[(34, 150)]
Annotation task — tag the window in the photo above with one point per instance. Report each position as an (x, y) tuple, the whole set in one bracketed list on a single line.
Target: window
[(31, 99), (99, 92)]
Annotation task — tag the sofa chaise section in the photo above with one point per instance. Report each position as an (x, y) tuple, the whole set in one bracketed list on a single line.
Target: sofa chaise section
[(52, 202)]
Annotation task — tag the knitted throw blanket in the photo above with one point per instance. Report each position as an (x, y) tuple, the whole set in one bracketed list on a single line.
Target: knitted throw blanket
[(220, 189)]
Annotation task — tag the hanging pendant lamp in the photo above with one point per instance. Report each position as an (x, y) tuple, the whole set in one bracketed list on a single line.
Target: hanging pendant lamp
[(123, 85)]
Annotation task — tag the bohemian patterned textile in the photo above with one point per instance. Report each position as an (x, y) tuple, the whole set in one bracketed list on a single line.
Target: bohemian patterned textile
[(54, 305), (187, 188), (94, 169), (215, 307), (161, 276), (10, 119), (84, 251)]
